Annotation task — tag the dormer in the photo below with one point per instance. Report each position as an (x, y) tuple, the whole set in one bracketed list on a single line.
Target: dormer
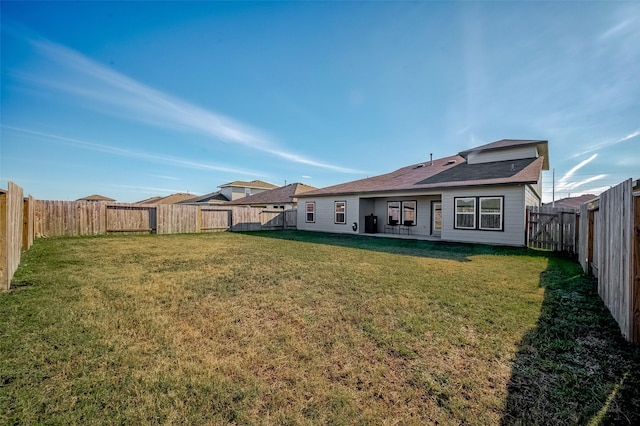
[(508, 149)]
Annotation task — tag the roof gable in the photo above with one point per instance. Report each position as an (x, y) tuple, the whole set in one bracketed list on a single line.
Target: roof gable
[(95, 197), (258, 184), (541, 145), (474, 172), (284, 194)]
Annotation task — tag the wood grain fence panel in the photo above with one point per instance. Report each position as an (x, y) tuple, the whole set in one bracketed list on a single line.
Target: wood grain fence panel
[(177, 219), (615, 226), (213, 219), (246, 219), (28, 223), (583, 241), (291, 219), (635, 271), (11, 228), (130, 218), (4, 270), (271, 219), (550, 228)]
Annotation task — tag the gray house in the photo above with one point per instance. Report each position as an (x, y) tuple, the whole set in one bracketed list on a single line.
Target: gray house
[(478, 196), (284, 197)]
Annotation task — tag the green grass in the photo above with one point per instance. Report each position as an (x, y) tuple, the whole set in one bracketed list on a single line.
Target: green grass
[(305, 328)]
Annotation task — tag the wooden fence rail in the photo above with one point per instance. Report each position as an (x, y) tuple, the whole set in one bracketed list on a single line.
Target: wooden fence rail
[(71, 218)]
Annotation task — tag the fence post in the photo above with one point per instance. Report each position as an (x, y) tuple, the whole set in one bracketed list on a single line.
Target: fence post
[(4, 281), (635, 272), (590, 235)]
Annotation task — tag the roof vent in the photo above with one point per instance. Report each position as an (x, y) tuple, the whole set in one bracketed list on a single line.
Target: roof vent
[(419, 165), (450, 162)]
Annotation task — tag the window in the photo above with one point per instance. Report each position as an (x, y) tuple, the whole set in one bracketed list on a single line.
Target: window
[(484, 213), (393, 212), (491, 213), (247, 192), (310, 208), (465, 213), (409, 213), (401, 213), (341, 209)]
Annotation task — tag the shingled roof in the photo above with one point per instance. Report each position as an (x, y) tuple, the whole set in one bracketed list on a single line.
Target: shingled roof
[(447, 172), (258, 184), (95, 197), (284, 194), (169, 199), (211, 198)]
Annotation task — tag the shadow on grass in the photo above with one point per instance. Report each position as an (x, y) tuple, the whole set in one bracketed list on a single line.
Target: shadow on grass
[(419, 248), (574, 367)]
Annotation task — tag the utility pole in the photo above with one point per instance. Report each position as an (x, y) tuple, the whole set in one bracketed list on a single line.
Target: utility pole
[(553, 188)]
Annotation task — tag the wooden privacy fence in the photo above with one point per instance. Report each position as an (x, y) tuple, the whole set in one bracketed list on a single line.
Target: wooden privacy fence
[(551, 228), (16, 230), (610, 250), (72, 218)]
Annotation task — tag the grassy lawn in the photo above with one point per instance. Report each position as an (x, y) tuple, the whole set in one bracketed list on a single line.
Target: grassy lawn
[(302, 328)]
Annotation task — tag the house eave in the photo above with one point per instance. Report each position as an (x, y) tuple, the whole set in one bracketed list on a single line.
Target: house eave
[(431, 189)]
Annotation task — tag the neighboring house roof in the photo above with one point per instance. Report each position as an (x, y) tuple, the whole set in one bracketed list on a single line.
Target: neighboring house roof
[(169, 199), (95, 197), (572, 202), (212, 197), (282, 195), (151, 200), (258, 184), (447, 172)]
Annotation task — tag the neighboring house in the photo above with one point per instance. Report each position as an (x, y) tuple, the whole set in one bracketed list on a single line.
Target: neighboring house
[(478, 196), (230, 192), (572, 202), (213, 198), (169, 199), (96, 197), (239, 189), (285, 197)]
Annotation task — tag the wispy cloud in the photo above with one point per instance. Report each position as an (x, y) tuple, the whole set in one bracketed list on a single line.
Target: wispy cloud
[(151, 189), (127, 97), (565, 183), (616, 29), (608, 143), (163, 177), (140, 155)]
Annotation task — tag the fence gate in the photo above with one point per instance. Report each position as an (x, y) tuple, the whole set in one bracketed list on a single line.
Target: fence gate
[(550, 228)]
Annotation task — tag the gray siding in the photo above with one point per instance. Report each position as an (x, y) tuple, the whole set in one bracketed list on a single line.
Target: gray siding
[(325, 214), (513, 233), (502, 155), (423, 212), (530, 197)]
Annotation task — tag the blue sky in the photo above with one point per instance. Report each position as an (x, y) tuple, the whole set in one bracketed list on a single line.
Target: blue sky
[(137, 99)]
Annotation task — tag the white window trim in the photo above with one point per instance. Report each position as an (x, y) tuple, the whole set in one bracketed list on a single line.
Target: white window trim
[(475, 209), (500, 214), (313, 212), (335, 212)]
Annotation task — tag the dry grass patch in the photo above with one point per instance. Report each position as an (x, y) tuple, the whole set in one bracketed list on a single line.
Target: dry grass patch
[(251, 329)]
